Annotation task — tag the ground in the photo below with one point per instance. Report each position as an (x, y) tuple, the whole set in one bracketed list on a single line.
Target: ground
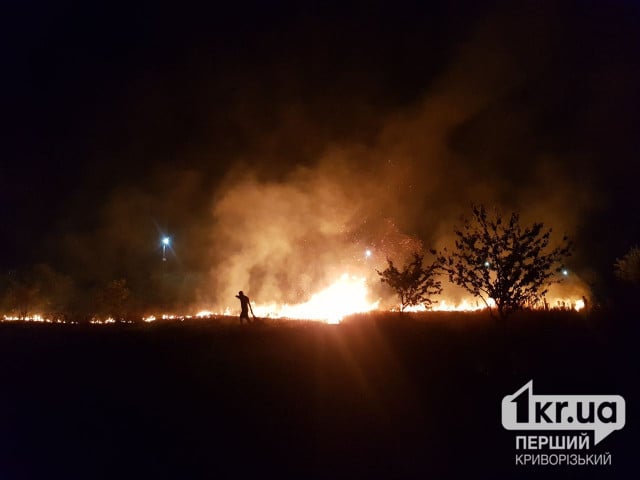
[(384, 395)]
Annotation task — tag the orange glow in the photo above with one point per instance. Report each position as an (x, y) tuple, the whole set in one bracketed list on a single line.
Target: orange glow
[(464, 305), (347, 295)]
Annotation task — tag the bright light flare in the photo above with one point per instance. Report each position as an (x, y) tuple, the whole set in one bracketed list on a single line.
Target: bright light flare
[(346, 296)]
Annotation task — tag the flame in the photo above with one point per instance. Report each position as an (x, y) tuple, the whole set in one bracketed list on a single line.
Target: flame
[(474, 305), (347, 295), (567, 304), (464, 305)]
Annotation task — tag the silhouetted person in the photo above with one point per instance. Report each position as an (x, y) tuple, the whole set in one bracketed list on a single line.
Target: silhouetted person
[(244, 306)]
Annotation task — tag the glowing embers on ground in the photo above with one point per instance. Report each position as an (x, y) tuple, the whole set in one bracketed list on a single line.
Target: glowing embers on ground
[(37, 318), (32, 318), (464, 305), (474, 305), (346, 296)]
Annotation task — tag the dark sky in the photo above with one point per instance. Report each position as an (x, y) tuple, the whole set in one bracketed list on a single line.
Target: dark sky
[(102, 102)]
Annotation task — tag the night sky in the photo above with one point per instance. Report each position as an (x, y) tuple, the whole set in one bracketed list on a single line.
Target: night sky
[(125, 122)]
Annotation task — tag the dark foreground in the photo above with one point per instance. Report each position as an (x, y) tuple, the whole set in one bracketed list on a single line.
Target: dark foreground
[(374, 398)]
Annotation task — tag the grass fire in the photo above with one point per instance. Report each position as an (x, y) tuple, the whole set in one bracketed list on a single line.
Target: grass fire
[(319, 240)]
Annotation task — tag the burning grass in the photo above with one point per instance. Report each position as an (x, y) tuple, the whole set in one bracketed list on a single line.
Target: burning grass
[(404, 392)]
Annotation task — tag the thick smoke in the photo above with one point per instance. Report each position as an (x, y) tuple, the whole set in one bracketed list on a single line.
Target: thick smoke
[(284, 240), (465, 142), (314, 179)]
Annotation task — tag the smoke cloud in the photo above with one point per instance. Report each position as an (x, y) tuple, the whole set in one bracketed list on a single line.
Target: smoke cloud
[(464, 142), (304, 179)]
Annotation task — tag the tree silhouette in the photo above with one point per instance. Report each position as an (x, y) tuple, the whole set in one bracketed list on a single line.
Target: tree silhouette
[(414, 284), (22, 298), (501, 260), (113, 298), (628, 267), (38, 288)]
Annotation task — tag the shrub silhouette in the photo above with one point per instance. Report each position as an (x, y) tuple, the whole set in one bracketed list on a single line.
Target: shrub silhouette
[(414, 284), (499, 259)]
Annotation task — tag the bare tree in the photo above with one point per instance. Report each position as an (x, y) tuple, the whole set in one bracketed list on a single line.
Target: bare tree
[(23, 298), (38, 288), (498, 259), (414, 284), (113, 298), (56, 289)]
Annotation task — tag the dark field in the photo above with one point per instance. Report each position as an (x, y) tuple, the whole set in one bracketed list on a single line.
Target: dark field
[(375, 397)]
